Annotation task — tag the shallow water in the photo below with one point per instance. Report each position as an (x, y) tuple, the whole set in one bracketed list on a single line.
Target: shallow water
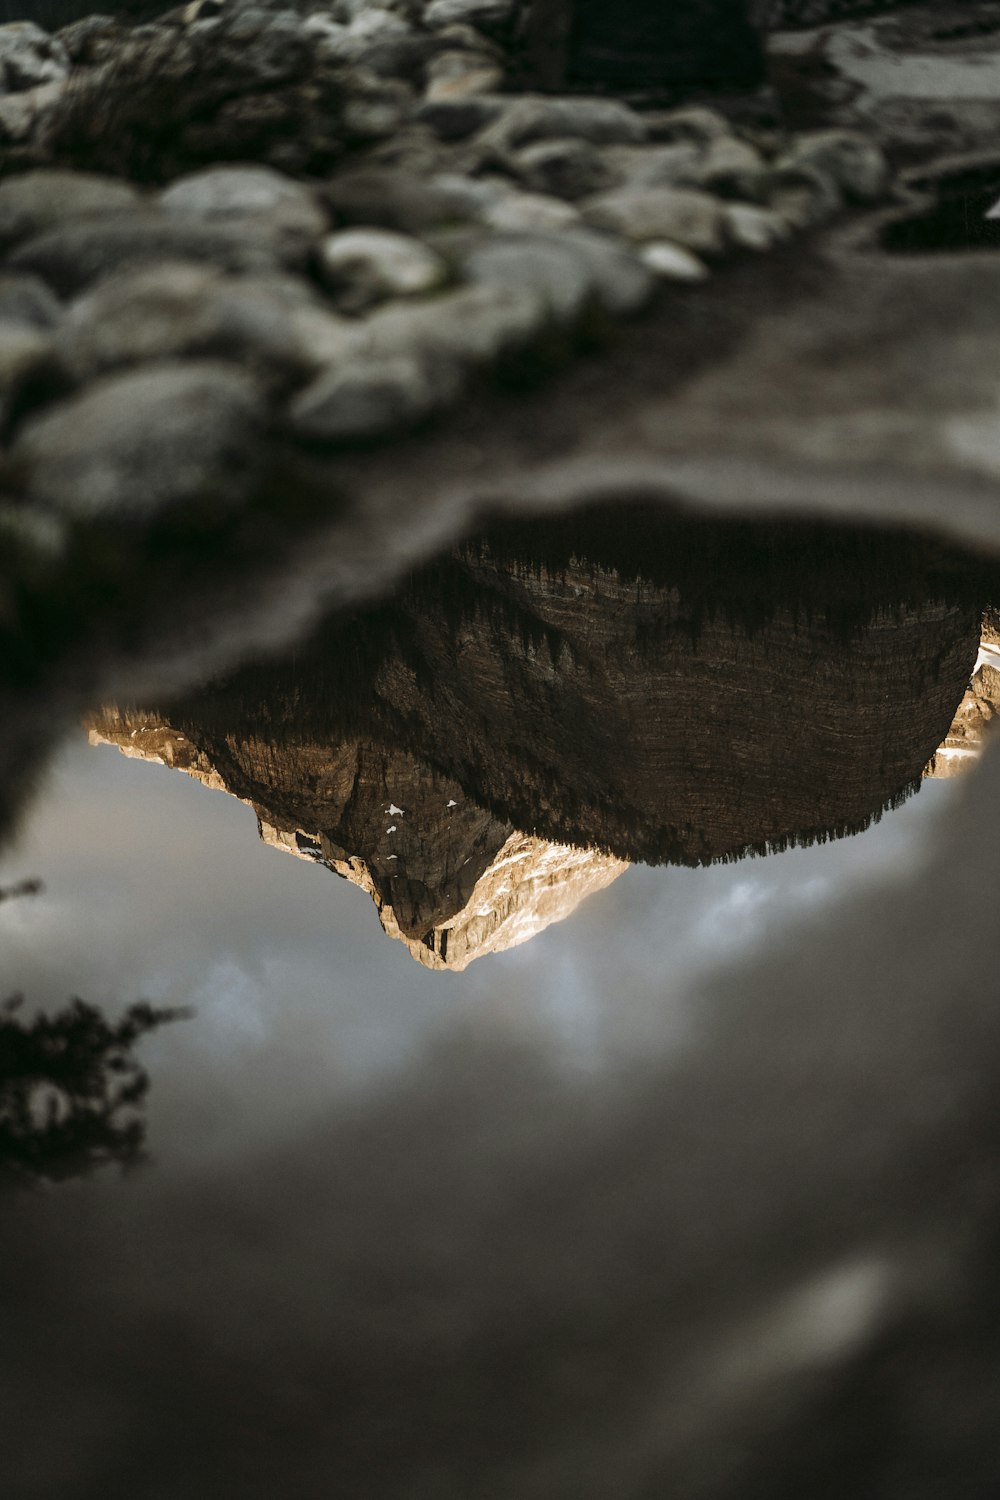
[(580, 770)]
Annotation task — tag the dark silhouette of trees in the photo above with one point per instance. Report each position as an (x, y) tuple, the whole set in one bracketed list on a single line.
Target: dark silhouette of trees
[(71, 1089)]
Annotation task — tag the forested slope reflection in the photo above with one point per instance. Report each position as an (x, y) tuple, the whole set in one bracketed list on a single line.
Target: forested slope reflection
[(641, 685)]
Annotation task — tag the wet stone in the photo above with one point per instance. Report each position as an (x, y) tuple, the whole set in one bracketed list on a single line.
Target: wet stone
[(471, 328), (376, 111), (79, 254), (23, 116), (181, 310), (366, 266), (750, 227), (604, 122), (394, 199), (689, 218), (695, 124), (490, 16), (855, 163), (551, 267), (803, 196), (527, 213), (563, 169), (34, 202), (374, 396), (30, 57), (138, 445), (622, 284), (27, 357), (27, 301), (454, 119), (91, 39), (653, 166), (218, 194), (462, 75), (731, 169), (672, 262)]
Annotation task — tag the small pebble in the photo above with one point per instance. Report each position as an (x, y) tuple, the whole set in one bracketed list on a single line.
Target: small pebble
[(672, 262)]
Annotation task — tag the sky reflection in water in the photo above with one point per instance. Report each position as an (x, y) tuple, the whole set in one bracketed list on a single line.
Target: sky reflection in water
[(159, 888)]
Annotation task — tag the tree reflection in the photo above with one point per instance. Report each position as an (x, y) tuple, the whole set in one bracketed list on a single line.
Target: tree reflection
[(72, 1092)]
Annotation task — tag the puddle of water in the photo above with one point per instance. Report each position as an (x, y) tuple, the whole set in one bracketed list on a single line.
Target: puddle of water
[(572, 767), (489, 755)]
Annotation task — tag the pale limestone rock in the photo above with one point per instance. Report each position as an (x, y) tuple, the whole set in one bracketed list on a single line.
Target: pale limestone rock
[(525, 213), (373, 396), (29, 57), (692, 219), (672, 262), (751, 227), (461, 75), (136, 446), (226, 193), (33, 203), (850, 159), (365, 266)]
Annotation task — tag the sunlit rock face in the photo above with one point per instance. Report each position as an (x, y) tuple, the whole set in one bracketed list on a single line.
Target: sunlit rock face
[(963, 745), (448, 880), (538, 708), (530, 884)]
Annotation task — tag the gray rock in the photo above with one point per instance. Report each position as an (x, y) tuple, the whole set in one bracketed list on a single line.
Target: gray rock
[(623, 284), (372, 397), (462, 75), (182, 310), (26, 357), (27, 300), (689, 218), (730, 168), (377, 21), (456, 119), (750, 227), (366, 266), (803, 196), (695, 124), (24, 116), (412, 151), (461, 37), (563, 169), (34, 202), (224, 193), (852, 160), (136, 446), (490, 16), (672, 262), (653, 166), (29, 57), (604, 122), (471, 328), (91, 39), (76, 255), (374, 109), (529, 213), (326, 338), (548, 265), (393, 199)]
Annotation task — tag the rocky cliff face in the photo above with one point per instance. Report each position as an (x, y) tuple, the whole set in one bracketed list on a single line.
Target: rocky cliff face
[(448, 880), (522, 720), (962, 746)]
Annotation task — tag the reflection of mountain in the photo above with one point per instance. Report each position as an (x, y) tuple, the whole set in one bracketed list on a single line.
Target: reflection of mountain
[(652, 688), (963, 744), (448, 879)]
